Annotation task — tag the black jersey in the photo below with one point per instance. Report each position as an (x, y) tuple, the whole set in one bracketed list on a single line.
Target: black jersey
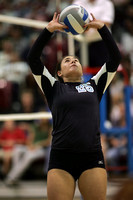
[(74, 106)]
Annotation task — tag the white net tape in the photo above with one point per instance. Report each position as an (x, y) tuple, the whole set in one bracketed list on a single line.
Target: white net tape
[(27, 116), (22, 21)]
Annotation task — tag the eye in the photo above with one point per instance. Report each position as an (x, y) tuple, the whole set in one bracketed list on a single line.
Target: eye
[(67, 60)]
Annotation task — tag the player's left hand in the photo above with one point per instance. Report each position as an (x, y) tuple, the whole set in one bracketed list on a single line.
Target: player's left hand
[(94, 23)]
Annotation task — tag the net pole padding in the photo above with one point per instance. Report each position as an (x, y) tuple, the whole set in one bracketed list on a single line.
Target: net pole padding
[(23, 21), (94, 70), (25, 116)]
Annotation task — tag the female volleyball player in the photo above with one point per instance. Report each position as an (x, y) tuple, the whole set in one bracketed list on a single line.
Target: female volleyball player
[(76, 152)]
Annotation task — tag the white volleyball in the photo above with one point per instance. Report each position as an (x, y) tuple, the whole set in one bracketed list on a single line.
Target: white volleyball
[(75, 17)]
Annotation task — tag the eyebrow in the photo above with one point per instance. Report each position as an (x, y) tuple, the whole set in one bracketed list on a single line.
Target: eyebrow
[(67, 58), (70, 57)]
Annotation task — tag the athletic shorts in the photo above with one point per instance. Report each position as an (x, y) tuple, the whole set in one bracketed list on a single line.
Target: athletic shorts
[(75, 163)]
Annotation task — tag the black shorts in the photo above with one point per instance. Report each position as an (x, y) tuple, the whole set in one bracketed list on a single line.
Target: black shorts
[(75, 163)]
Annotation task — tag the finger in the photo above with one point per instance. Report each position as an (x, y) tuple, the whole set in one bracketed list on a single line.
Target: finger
[(54, 17), (87, 27), (63, 27), (58, 16), (92, 16)]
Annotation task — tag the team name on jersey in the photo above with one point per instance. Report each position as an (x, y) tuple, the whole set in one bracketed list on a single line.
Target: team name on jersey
[(86, 87)]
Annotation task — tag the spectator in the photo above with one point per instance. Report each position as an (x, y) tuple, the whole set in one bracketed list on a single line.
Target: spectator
[(10, 135), (117, 114), (15, 71), (27, 102), (32, 38), (17, 36), (53, 5), (127, 38), (116, 153), (38, 11), (120, 2), (6, 96), (5, 53), (37, 147)]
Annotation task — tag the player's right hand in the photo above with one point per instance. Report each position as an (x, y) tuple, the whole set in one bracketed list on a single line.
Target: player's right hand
[(54, 24)]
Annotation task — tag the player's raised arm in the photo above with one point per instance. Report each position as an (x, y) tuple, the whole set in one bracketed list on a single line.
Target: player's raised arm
[(114, 54), (105, 75), (42, 76), (35, 52)]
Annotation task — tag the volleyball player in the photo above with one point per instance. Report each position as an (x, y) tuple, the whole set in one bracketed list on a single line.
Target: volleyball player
[(76, 153)]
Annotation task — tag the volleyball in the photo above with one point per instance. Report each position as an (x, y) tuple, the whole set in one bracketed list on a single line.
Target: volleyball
[(75, 17)]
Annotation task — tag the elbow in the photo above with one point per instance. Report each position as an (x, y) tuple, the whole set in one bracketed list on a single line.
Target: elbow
[(113, 64), (35, 64), (116, 56), (31, 60)]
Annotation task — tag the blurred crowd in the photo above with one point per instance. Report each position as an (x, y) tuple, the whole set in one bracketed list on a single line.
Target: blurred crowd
[(18, 90)]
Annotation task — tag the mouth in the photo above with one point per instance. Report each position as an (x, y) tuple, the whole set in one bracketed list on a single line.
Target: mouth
[(73, 65)]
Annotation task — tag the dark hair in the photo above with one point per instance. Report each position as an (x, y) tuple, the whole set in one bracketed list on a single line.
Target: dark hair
[(58, 68)]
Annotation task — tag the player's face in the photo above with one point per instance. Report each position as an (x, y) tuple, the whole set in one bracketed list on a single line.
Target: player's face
[(71, 69)]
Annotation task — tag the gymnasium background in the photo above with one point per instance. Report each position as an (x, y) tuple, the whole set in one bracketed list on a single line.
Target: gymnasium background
[(22, 103)]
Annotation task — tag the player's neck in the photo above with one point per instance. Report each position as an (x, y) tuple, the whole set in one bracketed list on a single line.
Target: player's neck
[(72, 79)]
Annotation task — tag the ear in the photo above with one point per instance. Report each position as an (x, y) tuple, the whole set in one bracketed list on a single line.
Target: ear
[(59, 73)]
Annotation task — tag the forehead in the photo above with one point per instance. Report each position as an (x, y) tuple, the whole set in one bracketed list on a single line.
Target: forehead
[(69, 57)]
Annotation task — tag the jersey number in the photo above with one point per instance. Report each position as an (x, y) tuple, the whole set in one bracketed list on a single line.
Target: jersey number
[(84, 88)]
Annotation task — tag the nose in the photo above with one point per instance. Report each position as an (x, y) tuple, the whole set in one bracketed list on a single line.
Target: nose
[(73, 61)]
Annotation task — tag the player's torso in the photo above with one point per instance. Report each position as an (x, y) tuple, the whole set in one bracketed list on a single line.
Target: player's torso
[(75, 112)]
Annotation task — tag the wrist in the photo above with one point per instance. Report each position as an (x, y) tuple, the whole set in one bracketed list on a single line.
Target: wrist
[(49, 28), (101, 25)]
